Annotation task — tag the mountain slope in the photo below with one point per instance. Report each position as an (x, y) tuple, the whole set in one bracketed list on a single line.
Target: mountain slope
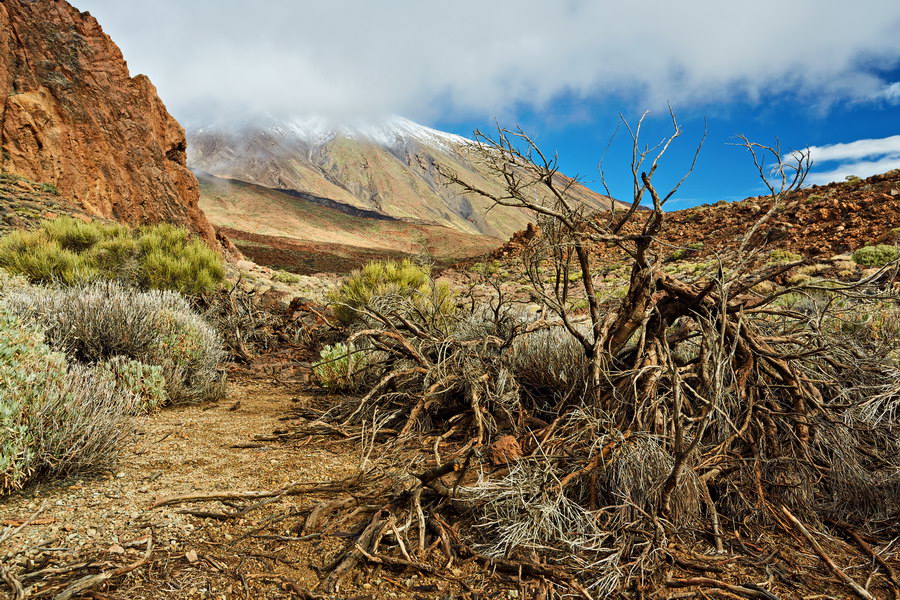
[(385, 167), (301, 233), (71, 116)]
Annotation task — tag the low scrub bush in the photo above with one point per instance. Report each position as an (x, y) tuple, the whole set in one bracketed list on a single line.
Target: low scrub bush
[(391, 282), (72, 252), (146, 384), (285, 277), (102, 321), (689, 250), (876, 256), (171, 259), (777, 257), (341, 367), (55, 419)]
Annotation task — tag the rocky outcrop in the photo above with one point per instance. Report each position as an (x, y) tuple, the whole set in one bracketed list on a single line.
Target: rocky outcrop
[(72, 116)]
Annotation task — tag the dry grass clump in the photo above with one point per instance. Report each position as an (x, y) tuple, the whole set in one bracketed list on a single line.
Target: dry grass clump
[(101, 321), (69, 251), (550, 365)]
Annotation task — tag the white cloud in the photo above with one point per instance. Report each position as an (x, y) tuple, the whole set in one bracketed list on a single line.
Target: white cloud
[(862, 168), (861, 158), (856, 150), (890, 93), (477, 58)]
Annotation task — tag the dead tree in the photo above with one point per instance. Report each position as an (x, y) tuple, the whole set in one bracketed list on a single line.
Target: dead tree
[(711, 403)]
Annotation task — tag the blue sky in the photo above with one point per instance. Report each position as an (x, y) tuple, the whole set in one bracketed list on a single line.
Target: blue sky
[(580, 131), (820, 73)]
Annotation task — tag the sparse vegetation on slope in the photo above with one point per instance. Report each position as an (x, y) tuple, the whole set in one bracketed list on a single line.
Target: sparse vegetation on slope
[(876, 256)]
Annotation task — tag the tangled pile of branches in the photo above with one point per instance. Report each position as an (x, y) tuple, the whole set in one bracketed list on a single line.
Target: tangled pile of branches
[(582, 449)]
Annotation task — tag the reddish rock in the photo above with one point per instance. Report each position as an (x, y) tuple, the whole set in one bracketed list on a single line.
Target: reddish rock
[(72, 116), (505, 450)]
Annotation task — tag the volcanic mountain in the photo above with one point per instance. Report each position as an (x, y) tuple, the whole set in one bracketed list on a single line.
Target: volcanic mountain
[(384, 169)]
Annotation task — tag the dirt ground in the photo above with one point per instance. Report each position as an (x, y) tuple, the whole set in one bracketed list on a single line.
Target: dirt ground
[(106, 520)]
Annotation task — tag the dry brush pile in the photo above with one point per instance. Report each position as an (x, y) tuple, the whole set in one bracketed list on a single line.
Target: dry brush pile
[(691, 424)]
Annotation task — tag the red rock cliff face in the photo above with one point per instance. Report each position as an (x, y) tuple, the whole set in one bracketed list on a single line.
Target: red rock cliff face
[(71, 115)]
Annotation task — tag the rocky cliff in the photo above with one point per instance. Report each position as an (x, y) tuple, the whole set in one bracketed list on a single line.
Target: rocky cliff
[(72, 116)]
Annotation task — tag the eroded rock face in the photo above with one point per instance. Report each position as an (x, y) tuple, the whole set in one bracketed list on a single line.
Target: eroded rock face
[(71, 115)]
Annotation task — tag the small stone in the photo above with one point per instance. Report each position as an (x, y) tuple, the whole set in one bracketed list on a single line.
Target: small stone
[(120, 475), (116, 549), (91, 532), (191, 556)]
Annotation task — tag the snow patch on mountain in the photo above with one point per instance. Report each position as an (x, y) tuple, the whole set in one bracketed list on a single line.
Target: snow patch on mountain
[(393, 132)]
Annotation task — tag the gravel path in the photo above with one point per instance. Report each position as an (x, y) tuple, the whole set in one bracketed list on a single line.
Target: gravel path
[(176, 451)]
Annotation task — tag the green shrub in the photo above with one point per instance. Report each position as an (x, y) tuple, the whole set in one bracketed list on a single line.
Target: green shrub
[(55, 419), (72, 252), (174, 260), (783, 257), (340, 367), (102, 321), (390, 282), (285, 277), (876, 256), (690, 249), (41, 259)]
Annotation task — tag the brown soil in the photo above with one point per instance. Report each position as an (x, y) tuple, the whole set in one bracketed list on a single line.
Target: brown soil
[(182, 450), (309, 258)]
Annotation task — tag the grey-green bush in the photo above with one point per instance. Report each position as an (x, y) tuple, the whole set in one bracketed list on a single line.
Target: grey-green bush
[(54, 419), (102, 321), (341, 367)]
